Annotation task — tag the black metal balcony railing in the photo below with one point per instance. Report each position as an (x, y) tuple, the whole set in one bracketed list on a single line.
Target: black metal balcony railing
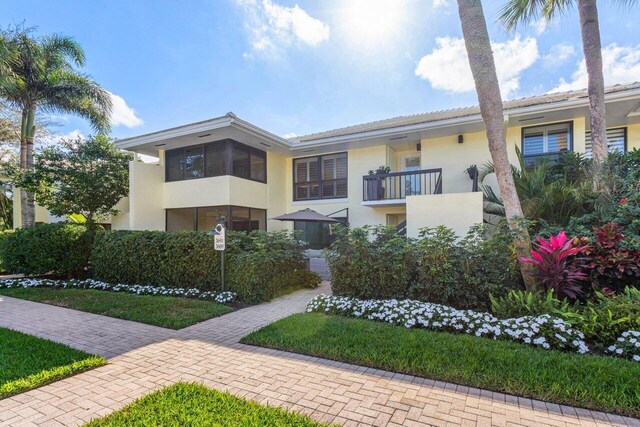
[(399, 185)]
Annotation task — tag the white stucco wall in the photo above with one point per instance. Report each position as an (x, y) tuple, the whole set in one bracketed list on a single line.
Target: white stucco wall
[(146, 210), (458, 211)]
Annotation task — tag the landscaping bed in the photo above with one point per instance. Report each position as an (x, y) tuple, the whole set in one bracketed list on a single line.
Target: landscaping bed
[(28, 362), (594, 382), (164, 311), (185, 404)]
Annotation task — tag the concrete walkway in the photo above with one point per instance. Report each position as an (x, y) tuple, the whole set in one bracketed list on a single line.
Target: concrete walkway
[(144, 358)]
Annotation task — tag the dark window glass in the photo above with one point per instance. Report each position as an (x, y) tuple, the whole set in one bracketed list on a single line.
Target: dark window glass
[(194, 162), (258, 166), (174, 160), (181, 219), (318, 235), (216, 157), (240, 219), (209, 217), (258, 219), (205, 218), (323, 177), (616, 141), (240, 159)]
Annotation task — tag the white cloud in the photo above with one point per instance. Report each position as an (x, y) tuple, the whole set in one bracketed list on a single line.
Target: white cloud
[(289, 135), (440, 3), (620, 64), (74, 134), (273, 27), (122, 114), (558, 55), (447, 67), (540, 25)]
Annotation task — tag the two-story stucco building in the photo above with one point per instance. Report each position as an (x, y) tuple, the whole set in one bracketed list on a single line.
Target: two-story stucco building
[(228, 166)]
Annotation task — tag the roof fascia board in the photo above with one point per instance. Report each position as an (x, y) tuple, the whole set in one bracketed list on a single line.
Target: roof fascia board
[(195, 128), (174, 133), (259, 132)]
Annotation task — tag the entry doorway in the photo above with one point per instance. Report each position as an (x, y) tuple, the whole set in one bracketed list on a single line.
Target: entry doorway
[(410, 162)]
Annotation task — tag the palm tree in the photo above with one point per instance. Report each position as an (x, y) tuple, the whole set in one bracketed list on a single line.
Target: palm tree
[(40, 74), (516, 11), (483, 68)]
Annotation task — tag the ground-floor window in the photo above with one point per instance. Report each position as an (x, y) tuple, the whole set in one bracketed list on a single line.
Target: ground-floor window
[(204, 218), (318, 235)]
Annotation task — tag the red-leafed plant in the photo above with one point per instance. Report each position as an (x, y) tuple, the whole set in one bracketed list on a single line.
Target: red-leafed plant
[(609, 263), (557, 266)]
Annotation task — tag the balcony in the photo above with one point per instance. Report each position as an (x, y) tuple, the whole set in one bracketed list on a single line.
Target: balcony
[(392, 189)]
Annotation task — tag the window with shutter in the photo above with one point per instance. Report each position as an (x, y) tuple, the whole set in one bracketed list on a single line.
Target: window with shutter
[(320, 177), (616, 141), (549, 140)]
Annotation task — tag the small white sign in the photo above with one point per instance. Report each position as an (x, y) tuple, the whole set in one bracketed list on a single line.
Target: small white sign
[(219, 243)]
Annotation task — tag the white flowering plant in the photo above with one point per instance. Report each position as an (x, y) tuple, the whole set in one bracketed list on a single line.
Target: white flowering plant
[(225, 297), (627, 345), (544, 331)]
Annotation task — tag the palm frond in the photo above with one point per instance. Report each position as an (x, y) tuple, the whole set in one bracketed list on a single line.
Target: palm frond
[(75, 93), (58, 49), (528, 11)]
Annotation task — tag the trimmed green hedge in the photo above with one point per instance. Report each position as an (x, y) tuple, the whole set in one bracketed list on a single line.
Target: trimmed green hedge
[(439, 267), (59, 248), (258, 265)]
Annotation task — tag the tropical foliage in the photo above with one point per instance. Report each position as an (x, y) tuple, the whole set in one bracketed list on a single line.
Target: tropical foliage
[(556, 265), (551, 192), (40, 74), (86, 177)]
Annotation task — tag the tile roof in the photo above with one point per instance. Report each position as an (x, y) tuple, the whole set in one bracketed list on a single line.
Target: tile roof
[(413, 119)]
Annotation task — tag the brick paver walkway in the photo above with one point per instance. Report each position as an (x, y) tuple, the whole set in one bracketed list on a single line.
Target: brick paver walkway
[(144, 358)]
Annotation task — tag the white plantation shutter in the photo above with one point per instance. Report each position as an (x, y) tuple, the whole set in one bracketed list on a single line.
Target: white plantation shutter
[(616, 140)]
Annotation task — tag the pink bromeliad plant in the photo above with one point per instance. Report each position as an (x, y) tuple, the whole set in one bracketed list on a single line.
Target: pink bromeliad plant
[(557, 266)]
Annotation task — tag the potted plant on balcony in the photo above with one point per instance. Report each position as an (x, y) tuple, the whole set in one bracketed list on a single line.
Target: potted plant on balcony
[(375, 189)]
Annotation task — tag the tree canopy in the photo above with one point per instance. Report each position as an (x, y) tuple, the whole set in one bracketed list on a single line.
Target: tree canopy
[(86, 177)]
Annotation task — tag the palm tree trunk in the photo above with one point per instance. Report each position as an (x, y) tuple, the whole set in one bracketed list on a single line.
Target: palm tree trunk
[(592, 48), (27, 135), (483, 68)]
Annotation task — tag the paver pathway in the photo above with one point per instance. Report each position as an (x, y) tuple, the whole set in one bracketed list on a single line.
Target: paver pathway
[(144, 358)]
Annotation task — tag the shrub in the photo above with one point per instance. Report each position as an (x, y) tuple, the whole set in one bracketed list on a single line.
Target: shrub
[(377, 263), (371, 262), (59, 248), (521, 303), (258, 265), (556, 265), (601, 318), (613, 262), (463, 273)]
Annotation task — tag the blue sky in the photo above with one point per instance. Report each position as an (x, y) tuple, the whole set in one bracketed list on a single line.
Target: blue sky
[(307, 66)]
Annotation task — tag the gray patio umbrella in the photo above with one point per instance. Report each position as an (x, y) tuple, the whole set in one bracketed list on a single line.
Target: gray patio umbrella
[(308, 215)]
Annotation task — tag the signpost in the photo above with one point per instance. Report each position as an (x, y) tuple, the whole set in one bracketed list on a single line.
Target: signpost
[(220, 244)]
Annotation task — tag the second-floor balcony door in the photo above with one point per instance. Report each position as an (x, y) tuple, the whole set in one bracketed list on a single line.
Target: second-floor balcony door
[(410, 162)]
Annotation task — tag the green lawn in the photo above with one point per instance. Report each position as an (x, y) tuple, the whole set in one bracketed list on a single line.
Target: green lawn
[(594, 382), (168, 312), (28, 362), (195, 405)]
